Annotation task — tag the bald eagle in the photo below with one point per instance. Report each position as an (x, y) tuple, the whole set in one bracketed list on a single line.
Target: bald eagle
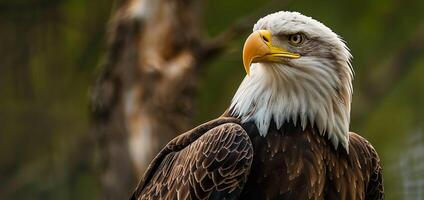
[(285, 134)]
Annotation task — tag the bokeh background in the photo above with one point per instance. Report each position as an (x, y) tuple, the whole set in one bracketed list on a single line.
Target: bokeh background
[(50, 51)]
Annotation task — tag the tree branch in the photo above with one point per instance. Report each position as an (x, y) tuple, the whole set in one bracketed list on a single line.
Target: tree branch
[(212, 48)]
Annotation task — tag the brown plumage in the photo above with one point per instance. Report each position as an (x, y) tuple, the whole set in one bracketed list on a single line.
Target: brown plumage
[(285, 134), (225, 159), (291, 163), (211, 161)]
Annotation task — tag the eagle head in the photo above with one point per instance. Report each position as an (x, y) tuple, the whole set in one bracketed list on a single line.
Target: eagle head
[(298, 70)]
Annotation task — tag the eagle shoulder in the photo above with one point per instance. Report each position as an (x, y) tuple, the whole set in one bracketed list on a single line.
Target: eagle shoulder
[(369, 161), (211, 161)]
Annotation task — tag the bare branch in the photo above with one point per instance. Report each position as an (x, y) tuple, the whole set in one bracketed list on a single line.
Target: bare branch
[(215, 46)]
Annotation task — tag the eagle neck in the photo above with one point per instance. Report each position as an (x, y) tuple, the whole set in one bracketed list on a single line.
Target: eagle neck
[(275, 94)]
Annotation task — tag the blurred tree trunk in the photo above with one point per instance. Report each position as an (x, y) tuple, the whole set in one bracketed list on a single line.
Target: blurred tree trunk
[(144, 93)]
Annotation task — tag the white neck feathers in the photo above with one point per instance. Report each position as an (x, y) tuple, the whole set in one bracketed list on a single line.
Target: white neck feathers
[(311, 94)]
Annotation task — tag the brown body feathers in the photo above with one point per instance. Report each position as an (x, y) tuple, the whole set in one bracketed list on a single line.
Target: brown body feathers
[(225, 159)]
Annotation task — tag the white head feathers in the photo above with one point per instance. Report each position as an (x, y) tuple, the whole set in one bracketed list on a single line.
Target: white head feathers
[(315, 88)]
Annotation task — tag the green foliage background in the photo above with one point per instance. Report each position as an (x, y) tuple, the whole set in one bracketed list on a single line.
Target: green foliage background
[(50, 51)]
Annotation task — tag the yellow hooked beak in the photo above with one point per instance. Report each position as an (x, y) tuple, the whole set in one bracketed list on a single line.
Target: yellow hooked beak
[(258, 48)]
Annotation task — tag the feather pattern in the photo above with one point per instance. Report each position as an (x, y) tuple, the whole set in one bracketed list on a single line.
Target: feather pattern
[(210, 162), (227, 159), (292, 162)]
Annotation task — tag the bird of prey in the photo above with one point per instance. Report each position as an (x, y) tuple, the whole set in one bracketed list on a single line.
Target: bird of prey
[(285, 134)]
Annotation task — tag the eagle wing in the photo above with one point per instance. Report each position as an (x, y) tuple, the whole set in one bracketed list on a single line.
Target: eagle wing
[(211, 161), (368, 158)]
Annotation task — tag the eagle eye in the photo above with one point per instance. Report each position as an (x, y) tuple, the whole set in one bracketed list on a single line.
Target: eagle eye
[(265, 39), (296, 39)]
